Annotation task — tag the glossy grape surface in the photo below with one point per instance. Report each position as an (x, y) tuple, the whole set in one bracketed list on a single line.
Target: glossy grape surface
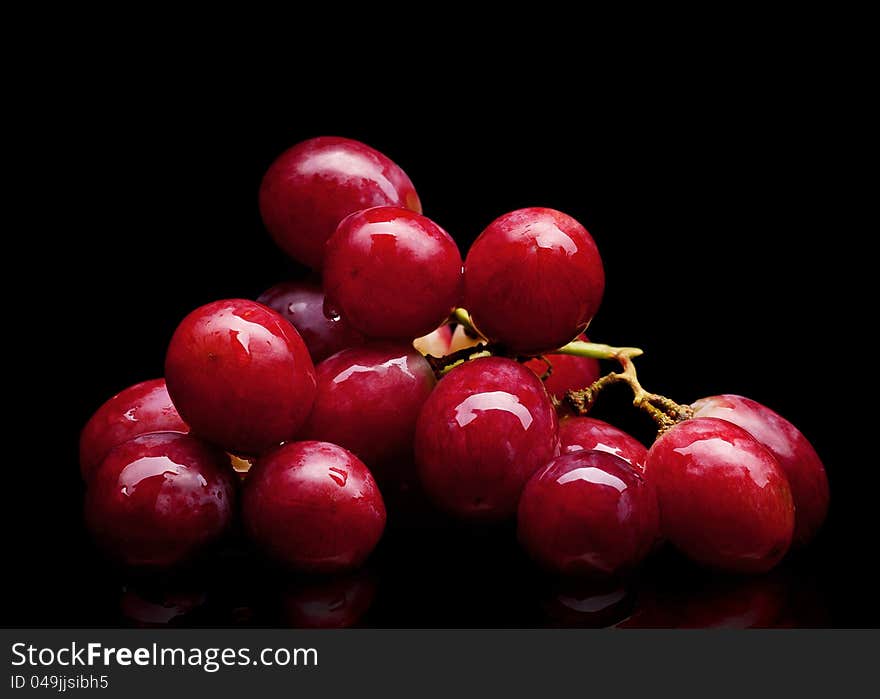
[(796, 456), (314, 507), (240, 375), (487, 426), (315, 184), (158, 499), (588, 513), (139, 409), (587, 433), (368, 401), (302, 304), (392, 273), (724, 500), (533, 280)]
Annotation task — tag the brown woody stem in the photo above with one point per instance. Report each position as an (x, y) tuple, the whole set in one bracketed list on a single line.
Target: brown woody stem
[(663, 411)]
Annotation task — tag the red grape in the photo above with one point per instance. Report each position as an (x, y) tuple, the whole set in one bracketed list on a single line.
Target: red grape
[(486, 427), (314, 507), (724, 500), (159, 498), (368, 401), (392, 273), (588, 513), (315, 184), (533, 280), (796, 456), (569, 373), (240, 375), (586, 433), (302, 303), (139, 409)]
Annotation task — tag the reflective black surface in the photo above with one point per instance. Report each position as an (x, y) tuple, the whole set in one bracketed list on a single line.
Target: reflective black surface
[(438, 577), (731, 257)]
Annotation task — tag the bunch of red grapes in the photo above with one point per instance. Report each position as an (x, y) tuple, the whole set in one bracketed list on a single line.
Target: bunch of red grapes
[(323, 396)]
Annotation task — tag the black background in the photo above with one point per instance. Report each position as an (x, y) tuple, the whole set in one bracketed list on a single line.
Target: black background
[(720, 201)]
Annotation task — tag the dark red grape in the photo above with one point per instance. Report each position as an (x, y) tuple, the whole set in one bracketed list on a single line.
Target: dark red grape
[(586, 433), (302, 303), (313, 507), (315, 184), (533, 280), (158, 499), (796, 456), (139, 409), (588, 513), (368, 401), (724, 500), (392, 273), (486, 427), (240, 375), (569, 373)]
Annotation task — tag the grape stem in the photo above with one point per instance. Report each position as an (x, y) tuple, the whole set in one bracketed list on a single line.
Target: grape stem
[(577, 348), (663, 411), (594, 350), (443, 365), (462, 317)]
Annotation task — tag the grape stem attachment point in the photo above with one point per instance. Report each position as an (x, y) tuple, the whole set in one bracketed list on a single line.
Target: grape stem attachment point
[(463, 318), (445, 364)]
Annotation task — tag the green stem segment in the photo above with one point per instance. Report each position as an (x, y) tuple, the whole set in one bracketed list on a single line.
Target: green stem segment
[(462, 317), (578, 348)]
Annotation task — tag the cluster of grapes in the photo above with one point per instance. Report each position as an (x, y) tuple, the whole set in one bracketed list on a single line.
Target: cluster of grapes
[(323, 396)]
